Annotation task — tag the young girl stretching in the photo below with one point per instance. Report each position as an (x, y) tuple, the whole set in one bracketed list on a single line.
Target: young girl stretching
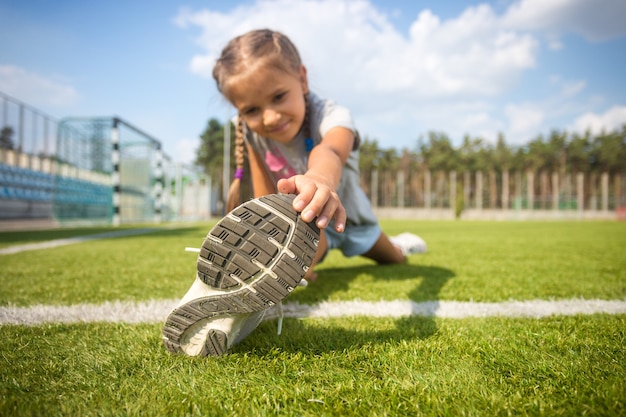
[(297, 144)]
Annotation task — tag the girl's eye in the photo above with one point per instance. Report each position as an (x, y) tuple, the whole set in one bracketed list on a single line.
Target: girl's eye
[(251, 111), (278, 97)]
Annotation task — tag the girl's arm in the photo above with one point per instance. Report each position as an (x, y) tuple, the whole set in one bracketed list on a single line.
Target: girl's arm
[(316, 189), (262, 184)]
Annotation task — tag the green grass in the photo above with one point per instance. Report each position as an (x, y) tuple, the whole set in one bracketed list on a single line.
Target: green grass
[(14, 238), (344, 366), (466, 261), (411, 366)]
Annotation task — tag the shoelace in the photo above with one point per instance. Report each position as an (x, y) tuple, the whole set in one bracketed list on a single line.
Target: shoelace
[(303, 283)]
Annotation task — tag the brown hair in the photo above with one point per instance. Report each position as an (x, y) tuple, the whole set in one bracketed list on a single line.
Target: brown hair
[(258, 47)]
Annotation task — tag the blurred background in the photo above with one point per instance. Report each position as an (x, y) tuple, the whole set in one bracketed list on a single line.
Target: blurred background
[(491, 110)]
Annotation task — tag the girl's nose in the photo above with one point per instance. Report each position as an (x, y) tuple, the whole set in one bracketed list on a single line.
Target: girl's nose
[(270, 117)]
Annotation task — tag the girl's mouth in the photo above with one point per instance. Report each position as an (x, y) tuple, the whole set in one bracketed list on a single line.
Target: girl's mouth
[(280, 128)]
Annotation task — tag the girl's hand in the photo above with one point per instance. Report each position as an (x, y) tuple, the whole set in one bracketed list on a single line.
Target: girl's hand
[(315, 189), (315, 198)]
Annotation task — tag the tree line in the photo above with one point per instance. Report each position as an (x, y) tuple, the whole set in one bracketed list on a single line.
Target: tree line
[(560, 152)]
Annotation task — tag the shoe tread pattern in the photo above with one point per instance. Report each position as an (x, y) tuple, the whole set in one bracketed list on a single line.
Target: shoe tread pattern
[(257, 255), (260, 251)]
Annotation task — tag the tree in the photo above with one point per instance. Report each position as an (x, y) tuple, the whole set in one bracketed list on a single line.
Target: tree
[(484, 157), (369, 155), (468, 153), (557, 152), (6, 138), (438, 153), (502, 155), (578, 153), (537, 154), (609, 152), (210, 154)]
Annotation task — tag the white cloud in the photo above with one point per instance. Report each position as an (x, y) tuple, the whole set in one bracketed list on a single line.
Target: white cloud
[(525, 122), (35, 89), (612, 119), (573, 88), (185, 150), (480, 124), (353, 50), (595, 20), (528, 120), (448, 75)]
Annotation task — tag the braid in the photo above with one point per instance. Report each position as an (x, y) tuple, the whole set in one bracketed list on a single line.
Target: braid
[(234, 193), (240, 148), (309, 143)]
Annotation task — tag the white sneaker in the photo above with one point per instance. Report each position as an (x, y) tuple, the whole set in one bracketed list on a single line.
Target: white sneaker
[(250, 260), (409, 243)]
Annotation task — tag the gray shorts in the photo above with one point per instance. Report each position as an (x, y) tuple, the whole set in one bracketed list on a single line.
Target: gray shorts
[(355, 240)]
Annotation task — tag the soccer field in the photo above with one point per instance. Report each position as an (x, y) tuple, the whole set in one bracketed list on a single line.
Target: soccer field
[(498, 318)]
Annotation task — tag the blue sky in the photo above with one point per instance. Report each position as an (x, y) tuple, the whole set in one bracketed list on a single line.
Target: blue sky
[(404, 68)]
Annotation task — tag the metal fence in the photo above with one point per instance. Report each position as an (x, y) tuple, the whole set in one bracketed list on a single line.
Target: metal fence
[(91, 170), (584, 194)]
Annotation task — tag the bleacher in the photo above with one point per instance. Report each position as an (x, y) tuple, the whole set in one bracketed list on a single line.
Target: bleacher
[(72, 190), (25, 184), (77, 198), (27, 193)]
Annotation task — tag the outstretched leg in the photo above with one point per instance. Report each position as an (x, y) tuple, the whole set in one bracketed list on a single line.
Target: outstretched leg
[(250, 260), (385, 252)]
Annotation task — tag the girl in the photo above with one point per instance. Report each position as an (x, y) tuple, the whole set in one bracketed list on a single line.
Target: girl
[(297, 144)]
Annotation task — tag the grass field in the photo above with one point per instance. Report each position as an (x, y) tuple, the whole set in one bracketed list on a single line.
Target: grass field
[(348, 365)]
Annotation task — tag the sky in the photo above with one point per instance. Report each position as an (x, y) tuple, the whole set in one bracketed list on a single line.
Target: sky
[(522, 68)]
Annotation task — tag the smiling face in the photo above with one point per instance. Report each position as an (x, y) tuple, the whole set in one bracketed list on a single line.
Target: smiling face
[(270, 100)]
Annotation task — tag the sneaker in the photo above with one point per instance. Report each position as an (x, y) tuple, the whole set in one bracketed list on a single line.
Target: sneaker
[(250, 261), (409, 243)]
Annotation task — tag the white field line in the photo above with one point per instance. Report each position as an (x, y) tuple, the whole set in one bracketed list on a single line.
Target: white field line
[(157, 310), (72, 240)]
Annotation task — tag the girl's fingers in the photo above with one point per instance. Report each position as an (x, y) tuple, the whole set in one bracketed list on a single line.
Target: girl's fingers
[(332, 210), (340, 219), (287, 185), (314, 201), (322, 205), (328, 210), (304, 202)]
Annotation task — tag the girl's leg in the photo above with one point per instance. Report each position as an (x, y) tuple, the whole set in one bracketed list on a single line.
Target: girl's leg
[(385, 252)]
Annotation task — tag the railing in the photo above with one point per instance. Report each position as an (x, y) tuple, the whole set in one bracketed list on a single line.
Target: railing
[(472, 192), (96, 170)]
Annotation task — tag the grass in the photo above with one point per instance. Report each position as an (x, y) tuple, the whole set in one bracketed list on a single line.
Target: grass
[(559, 365), (357, 366), (466, 261), (14, 238)]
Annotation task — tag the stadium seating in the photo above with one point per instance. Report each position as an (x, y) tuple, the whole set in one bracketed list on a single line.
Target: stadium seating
[(25, 184), (24, 191)]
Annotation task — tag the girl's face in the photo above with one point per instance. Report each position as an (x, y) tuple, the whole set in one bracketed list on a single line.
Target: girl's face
[(271, 101)]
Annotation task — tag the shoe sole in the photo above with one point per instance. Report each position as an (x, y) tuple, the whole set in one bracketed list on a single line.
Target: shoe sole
[(252, 258)]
